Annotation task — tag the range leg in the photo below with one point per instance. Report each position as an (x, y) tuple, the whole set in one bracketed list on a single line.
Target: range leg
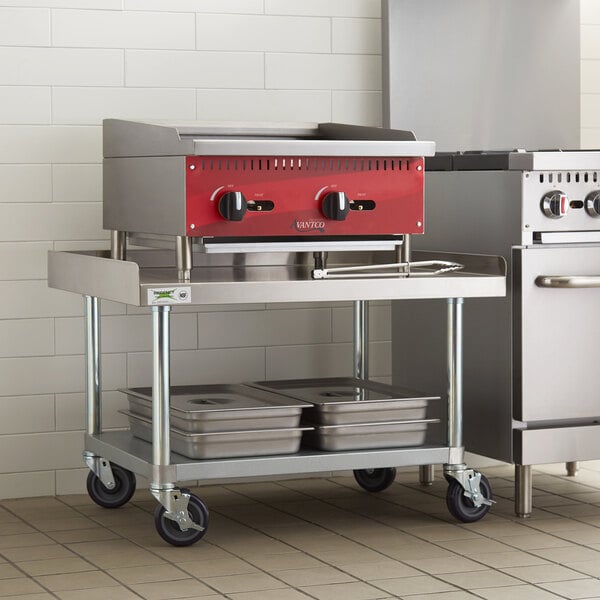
[(572, 468), (523, 491), (469, 496), (426, 474), (181, 518)]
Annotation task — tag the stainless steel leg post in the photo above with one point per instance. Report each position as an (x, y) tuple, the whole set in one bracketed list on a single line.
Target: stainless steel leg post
[(469, 479), (166, 492), (93, 391), (572, 468), (361, 339), (523, 491), (455, 397), (93, 409), (161, 444)]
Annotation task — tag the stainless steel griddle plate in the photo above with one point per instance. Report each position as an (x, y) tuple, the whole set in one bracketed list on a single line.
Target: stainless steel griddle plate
[(212, 408), (223, 444), (345, 400), (366, 436)]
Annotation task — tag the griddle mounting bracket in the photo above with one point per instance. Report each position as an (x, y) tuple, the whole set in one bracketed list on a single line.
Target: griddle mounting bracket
[(101, 468), (176, 505)]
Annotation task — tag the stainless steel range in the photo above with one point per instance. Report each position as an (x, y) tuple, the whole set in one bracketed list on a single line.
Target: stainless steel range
[(532, 389)]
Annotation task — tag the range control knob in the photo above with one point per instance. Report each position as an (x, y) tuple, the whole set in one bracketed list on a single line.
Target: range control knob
[(335, 206), (592, 204), (555, 204), (233, 206)]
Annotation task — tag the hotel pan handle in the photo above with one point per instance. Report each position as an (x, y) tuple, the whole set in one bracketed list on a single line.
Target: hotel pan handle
[(568, 281)]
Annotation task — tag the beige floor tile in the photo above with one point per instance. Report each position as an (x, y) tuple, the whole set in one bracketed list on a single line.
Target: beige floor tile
[(183, 588), (578, 588), (9, 572), (361, 554), (76, 581), (440, 533), (132, 558), (280, 562), (575, 510), (16, 528), (252, 582), (19, 586), (40, 596), (568, 554), (282, 594), (451, 564), (147, 574), (37, 553), (423, 584), (479, 579), (535, 541), (499, 530), (386, 569), (543, 573), (348, 591), (23, 540), (201, 551), (514, 558), (555, 524), (584, 537), (475, 546), (100, 547), (462, 595), (83, 535), (217, 568), (105, 593), (587, 567), (64, 524), (314, 576), (54, 566), (515, 592)]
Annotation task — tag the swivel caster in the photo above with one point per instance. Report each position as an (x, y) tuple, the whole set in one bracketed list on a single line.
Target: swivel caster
[(195, 524), (375, 480), (120, 494), (462, 507)]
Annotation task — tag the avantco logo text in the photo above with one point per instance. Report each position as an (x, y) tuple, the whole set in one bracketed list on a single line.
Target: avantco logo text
[(309, 225)]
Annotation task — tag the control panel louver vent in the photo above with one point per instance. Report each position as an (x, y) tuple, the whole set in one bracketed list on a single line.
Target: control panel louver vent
[(569, 177), (292, 163)]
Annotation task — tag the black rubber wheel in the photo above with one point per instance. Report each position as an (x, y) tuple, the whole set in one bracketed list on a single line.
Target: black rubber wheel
[(119, 495), (375, 480), (169, 530), (461, 507)]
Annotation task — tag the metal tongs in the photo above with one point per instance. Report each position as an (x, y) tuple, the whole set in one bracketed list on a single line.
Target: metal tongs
[(402, 269)]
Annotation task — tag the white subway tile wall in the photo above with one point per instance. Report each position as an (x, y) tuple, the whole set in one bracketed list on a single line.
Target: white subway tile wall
[(67, 64), (64, 66), (590, 74)]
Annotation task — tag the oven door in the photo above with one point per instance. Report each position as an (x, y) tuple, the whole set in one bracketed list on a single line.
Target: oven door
[(556, 335)]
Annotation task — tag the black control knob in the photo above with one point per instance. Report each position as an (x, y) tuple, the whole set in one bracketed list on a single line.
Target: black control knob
[(592, 204), (555, 204), (335, 206), (233, 206)]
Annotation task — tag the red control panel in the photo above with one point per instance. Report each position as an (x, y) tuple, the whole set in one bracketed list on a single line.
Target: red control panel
[(266, 196)]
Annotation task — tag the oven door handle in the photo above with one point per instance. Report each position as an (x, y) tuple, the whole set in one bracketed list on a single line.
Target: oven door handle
[(568, 281)]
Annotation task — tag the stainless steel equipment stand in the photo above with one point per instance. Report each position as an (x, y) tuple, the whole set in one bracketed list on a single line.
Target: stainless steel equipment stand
[(181, 518)]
